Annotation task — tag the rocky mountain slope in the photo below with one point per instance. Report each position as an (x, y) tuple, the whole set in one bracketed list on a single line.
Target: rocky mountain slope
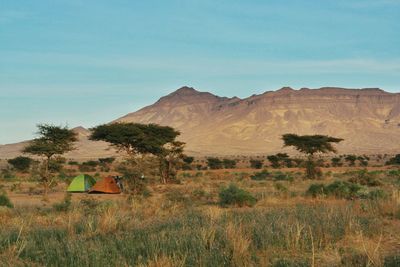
[(368, 120)]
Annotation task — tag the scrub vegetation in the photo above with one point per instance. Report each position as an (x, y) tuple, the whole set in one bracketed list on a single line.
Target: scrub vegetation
[(213, 219), (177, 210)]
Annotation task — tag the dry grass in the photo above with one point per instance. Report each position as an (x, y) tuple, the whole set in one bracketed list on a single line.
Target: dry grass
[(182, 225)]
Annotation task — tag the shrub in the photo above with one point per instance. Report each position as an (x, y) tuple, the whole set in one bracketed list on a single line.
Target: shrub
[(351, 159), (336, 162), (363, 177), (342, 189), (274, 160), (256, 164), (316, 190), (394, 161), (339, 189), (108, 160), (233, 195), (214, 163), (21, 163), (392, 261), (259, 176), (280, 176), (229, 163), (5, 201)]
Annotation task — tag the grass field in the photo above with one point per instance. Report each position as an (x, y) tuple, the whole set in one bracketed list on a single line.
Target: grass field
[(185, 225)]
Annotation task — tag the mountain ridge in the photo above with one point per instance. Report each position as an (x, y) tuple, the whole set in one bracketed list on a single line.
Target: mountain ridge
[(367, 118)]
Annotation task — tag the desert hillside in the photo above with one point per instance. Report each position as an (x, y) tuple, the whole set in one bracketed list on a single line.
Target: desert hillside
[(368, 120)]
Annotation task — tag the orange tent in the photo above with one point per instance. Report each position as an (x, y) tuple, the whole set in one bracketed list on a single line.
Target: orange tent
[(106, 185)]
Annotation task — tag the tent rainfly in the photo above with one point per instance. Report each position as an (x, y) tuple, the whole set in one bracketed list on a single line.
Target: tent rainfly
[(107, 185), (81, 183)]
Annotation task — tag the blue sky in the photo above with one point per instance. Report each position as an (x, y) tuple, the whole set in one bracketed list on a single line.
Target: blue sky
[(85, 62)]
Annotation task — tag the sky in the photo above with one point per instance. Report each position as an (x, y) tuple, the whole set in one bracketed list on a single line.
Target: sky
[(87, 62)]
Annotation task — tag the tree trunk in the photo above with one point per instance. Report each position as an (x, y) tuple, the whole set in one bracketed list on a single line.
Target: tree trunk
[(310, 168), (162, 170), (46, 178)]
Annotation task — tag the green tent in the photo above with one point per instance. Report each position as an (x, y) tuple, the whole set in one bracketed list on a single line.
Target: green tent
[(81, 183)]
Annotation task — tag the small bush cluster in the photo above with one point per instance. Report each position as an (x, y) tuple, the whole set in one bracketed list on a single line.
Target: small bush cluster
[(339, 189), (344, 189), (280, 176), (5, 201), (256, 164), (233, 195), (364, 177), (259, 176)]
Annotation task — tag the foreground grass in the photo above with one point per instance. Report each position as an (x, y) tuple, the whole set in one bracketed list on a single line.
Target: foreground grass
[(107, 236), (182, 225)]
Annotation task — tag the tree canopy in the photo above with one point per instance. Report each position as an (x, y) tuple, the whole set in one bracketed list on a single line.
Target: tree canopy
[(52, 140), (311, 144), (135, 137)]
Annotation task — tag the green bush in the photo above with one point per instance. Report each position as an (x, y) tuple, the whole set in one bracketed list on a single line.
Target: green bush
[(259, 176), (21, 163), (256, 164), (339, 189), (229, 163), (280, 176), (363, 177), (392, 261), (214, 163), (233, 195), (342, 189), (5, 201), (316, 190)]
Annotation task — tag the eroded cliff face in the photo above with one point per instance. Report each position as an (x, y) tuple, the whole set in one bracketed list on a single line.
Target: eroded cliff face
[(368, 120)]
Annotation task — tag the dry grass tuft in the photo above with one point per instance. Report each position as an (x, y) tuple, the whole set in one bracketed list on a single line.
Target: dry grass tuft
[(239, 243)]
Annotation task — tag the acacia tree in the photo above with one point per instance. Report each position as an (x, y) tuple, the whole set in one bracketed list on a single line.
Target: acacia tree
[(52, 141), (138, 140), (170, 158), (310, 145)]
